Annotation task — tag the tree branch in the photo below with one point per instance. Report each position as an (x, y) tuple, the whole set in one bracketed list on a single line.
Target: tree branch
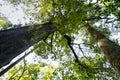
[(14, 63), (69, 44)]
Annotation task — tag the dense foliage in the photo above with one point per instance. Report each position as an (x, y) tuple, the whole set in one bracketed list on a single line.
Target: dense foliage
[(70, 17)]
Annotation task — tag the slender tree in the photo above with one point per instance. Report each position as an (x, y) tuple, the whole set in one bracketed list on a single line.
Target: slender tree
[(110, 49)]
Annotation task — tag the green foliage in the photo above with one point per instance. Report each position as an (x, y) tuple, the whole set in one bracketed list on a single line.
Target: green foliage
[(4, 23), (69, 16), (44, 71)]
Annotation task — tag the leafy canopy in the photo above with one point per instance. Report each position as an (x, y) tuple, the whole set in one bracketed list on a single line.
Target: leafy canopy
[(70, 15)]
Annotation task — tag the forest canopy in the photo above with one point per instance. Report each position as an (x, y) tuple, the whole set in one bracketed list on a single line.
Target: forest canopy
[(91, 26)]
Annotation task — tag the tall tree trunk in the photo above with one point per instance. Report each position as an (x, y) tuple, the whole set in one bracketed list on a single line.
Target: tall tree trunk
[(110, 49), (14, 41)]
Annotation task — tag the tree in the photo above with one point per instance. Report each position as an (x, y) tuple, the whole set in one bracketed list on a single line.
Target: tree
[(11, 45), (70, 18), (4, 23)]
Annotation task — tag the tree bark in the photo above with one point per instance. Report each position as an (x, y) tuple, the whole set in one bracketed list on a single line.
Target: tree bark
[(16, 40), (110, 49)]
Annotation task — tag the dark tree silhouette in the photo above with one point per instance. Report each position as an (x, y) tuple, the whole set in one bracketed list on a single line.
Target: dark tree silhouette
[(16, 40)]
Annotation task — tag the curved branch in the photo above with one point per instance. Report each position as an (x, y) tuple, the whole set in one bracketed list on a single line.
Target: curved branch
[(69, 44)]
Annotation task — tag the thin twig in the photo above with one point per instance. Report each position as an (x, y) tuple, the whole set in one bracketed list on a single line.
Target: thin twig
[(51, 42), (14, 63), (11, 77), (52, 45), (81, 50), (97, 18), (24, 69)]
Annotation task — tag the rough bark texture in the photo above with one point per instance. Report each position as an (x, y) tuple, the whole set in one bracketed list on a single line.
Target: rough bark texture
[(14, 41), (110, 49)]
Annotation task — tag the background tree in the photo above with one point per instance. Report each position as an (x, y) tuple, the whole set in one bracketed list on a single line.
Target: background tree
[(4, 23), (70, 17)]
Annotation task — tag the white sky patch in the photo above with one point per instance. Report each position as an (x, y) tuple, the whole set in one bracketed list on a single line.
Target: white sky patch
[(17, 17), (55, 64), (116, 36), (14, 14), (91, 1)]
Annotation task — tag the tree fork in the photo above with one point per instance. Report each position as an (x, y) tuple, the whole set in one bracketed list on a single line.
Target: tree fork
[(75, 55)]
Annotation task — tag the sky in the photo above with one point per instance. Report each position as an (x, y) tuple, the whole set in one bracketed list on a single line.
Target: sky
[(16, 16)]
